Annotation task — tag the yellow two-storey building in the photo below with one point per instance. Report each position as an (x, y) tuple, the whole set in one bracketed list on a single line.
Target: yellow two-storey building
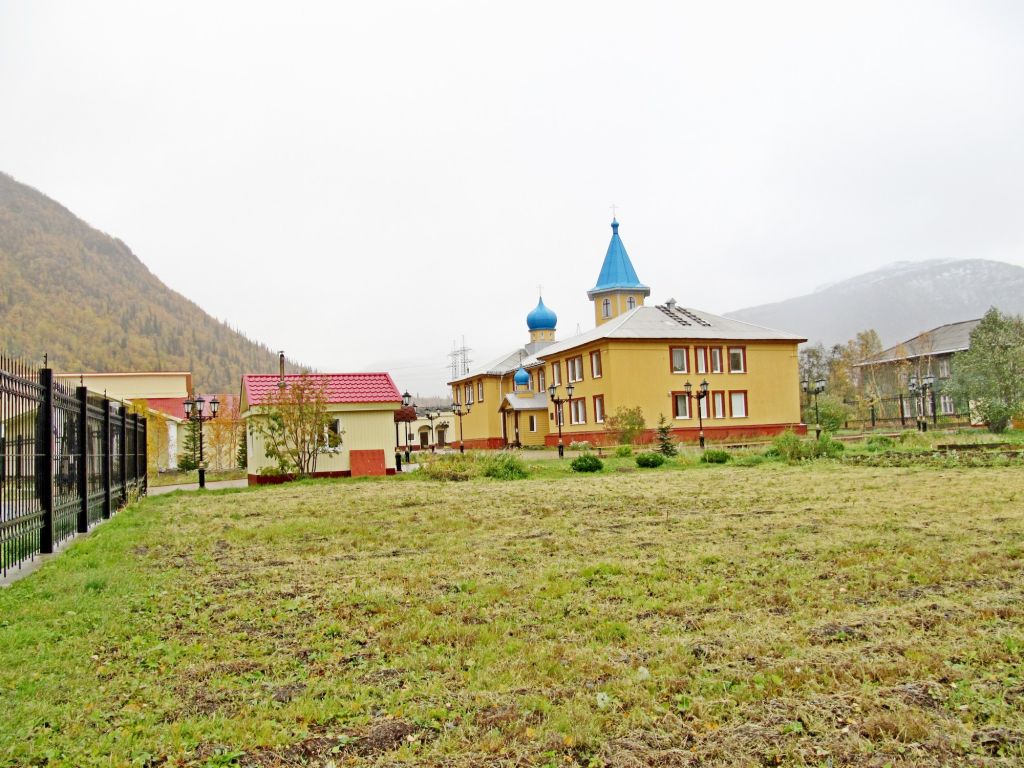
[(707, 375)]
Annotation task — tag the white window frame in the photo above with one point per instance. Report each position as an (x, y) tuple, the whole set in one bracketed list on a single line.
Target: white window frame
[(578, 410), (718, 404), (606, 308), (599, 409), (595, 364), (743, 359), (542, 383), (574, 369), (480, 391), (556, 373), (630, 303), (700, 359), (672, 359), (716, 359), (469, 393), (533, 422), (681, 397), (732, 405)]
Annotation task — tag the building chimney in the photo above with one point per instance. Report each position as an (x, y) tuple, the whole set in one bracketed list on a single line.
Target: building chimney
[(280, 358)]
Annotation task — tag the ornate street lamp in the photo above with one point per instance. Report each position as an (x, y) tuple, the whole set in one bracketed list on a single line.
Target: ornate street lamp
[(816, 389), (430, 416), (194, 412), (458, 409), (919, 391), (557, 402), (701, 394)]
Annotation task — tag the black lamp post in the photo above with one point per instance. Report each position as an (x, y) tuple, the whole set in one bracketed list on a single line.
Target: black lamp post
[(194, 412), (816, 389), (557, 402), (919, 390), (702, 392), (458, 409), (406, 399)]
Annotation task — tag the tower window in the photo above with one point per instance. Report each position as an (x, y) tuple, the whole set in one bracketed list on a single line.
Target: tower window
[(606, 308), (631, 303)]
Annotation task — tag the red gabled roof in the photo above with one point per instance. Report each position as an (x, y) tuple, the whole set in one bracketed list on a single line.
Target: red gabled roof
[(172, 406), (338, 387)]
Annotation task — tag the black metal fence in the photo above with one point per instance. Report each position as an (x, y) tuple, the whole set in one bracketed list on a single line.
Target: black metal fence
[(906, 411), (68, 459)]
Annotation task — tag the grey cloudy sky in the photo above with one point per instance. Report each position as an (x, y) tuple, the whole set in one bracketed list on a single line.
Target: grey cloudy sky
[(362, 183)]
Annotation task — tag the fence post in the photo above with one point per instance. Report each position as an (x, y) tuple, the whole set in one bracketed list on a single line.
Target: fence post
[(872, 415), (83, 458), (107, 458), (145, 458), (44, 460), (903, 413), (124, 454), (134, 463), (935, 411)]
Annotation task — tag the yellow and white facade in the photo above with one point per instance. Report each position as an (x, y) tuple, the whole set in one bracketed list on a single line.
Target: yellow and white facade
[(636, 356)]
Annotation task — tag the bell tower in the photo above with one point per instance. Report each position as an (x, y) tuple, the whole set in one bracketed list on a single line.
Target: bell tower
[(618, 289)]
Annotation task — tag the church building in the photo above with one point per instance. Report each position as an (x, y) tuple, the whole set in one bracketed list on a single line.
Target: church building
[(708, 375)]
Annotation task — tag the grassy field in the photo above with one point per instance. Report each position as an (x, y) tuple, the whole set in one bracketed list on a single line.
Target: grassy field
[(182, 478), (819, 614)]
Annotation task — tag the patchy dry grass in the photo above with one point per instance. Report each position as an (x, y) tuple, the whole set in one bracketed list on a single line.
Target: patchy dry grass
[(813, 615)]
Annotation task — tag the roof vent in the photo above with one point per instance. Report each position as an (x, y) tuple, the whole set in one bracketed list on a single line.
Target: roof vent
[(671, 304)]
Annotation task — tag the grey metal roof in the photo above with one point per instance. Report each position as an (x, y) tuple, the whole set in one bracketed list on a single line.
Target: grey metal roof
[(500, 366), (667, 321), (952, 337), (518, 402), (670, 321)]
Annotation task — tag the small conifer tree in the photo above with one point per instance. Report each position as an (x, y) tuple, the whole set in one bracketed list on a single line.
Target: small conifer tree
[(188, 460), (666, 445), (242, 457)]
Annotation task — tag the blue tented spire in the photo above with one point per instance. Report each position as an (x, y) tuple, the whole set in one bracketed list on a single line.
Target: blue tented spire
[(617, 272)]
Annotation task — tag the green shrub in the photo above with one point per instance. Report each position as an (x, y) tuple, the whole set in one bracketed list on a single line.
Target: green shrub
[(793, 449), (750, 461), (880, 443), (588, 462), (832, 411), (503, 466), (715, 456), (451, 467), (649, 459), (624, 451)]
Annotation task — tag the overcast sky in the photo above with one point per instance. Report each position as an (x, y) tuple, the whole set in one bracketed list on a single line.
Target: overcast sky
[(360, 184)]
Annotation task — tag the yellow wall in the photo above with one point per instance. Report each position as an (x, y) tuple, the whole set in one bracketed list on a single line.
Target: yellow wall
[(366, 427), (619, 304), (638, 373), (133, 386)]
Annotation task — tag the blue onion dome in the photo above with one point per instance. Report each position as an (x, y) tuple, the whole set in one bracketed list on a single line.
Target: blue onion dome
[(541, 318), (522, 378)]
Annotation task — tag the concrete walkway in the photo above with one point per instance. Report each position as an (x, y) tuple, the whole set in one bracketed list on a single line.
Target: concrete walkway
[(156, 490)]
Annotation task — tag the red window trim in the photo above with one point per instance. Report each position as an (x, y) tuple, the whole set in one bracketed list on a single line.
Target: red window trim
[(556, 378), (686, 360), (675, 409), (711, 358), (596, 398), (743, 353), (480, 391), (596, 355), (746, 403)]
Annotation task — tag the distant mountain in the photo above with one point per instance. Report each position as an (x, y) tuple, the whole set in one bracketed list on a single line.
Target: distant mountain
[(899, 301), (85, 299)]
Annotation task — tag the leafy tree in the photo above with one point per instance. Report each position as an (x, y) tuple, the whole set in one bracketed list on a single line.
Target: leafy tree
[(627, 424), (990, 375), (242, 456), (222, 435), (833, 412), (295, 426), (666, 445)]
